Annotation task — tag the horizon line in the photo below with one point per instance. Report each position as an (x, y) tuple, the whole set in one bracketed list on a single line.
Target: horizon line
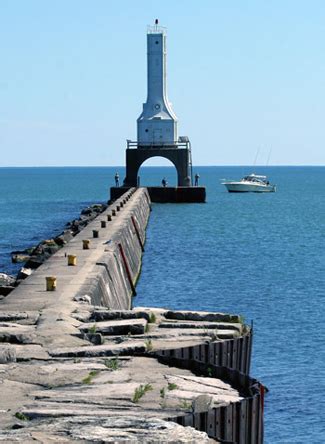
[(162, 166)]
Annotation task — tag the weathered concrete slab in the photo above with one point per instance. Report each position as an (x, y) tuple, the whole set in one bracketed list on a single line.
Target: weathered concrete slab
[(120, 327), (91, 389), (13, 396), (100, 350), (18, 334), (28, 352), (109, 315), (201, 316), (12, 317), (83, 395), (156, 331), (202, 324), (7, 353), (112, 429)]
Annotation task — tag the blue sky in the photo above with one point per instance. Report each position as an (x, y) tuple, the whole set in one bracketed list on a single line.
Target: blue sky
[(242, 76)]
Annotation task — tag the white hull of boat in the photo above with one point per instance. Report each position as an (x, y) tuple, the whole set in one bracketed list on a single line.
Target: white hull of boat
[(241, 187)]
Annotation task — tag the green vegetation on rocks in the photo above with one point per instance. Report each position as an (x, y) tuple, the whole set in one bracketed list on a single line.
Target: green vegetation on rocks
[(152, 318), (21, 416), (112, 364), (140, 392), (88, 379), (148, 344)]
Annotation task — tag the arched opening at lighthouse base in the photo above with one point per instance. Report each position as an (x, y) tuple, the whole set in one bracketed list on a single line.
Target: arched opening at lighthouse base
[(179, 157), (153, 171)]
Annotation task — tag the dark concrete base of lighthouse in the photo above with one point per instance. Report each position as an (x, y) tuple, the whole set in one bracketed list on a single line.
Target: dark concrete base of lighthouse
[(178, 154), (167, 194)]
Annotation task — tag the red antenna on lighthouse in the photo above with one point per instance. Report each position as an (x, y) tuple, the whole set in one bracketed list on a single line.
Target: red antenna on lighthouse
[(156, 22)]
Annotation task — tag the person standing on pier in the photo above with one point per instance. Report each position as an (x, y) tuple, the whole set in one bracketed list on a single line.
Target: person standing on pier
[(164, 182), (117, 180), (197, 177)]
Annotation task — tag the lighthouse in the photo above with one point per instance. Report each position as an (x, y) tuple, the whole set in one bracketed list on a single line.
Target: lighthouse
[(157, 132), (157, 124)]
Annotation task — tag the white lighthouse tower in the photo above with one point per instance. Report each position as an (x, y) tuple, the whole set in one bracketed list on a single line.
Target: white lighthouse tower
[(157, 125)]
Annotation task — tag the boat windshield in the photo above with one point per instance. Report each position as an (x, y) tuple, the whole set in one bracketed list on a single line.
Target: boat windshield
[(253, 178)]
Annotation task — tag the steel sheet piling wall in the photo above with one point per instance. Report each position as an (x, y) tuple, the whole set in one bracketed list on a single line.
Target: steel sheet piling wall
[(240, 422), (232, 353)]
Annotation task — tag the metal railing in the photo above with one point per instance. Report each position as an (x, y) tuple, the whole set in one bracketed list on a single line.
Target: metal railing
[(161, 145), (156, 29)]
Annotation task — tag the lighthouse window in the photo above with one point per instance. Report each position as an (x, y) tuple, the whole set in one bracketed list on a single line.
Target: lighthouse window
[(157, 42), (147, 130)]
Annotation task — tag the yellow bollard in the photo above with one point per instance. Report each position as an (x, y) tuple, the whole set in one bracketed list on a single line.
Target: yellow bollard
[(50, 283), (117, 208), (103, 224), (95, 233), (109, 217), (86, 244), (113, 213), (72, 259)]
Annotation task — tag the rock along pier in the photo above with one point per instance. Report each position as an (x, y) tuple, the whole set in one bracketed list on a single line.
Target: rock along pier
[(79, 364)]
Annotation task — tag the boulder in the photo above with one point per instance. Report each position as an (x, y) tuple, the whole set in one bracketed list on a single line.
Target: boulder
[(86, 212), (35, 261), (74, 226), (83, 299), (51, 249), (38, 250), (99, 208), (63, 238), (24, 273), (17, 257), (6, 279)]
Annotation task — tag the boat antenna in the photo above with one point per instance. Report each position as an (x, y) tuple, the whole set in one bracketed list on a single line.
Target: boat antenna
[(268, 158), (257, 153)]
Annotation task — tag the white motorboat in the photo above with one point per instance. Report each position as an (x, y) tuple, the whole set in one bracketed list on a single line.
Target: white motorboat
[(251, 183)]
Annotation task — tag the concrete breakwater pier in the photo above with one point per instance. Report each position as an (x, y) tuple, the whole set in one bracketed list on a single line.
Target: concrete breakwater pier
[(79, 364), (32, 257)]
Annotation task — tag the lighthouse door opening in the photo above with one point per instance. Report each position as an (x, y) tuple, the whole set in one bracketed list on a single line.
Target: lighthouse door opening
[(156, 170)]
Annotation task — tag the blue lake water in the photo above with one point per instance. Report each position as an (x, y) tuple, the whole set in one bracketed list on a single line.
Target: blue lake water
[(259, 255)]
